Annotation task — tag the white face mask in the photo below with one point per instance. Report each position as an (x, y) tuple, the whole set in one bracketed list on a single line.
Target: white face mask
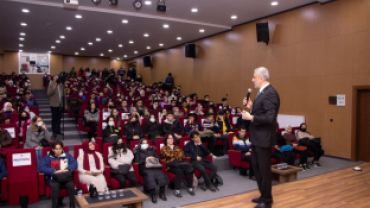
[(40, 123), (152, 120), (118, 95), (111, 123), (81, 94), (144, 146), (27, 110)]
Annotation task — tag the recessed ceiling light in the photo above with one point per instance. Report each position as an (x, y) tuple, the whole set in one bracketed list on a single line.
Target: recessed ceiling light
[(131, 42), (24, 24), (20, 50), (274, 3), (21, 39), (194, 10), (102, 54), (148, 2), (179, 38), (62, 37), (161, 44), (82, 49), (201, 30), (25, 10), (120, 45), (20, 45), (234, 17), (125, 56), (146, 35), (110, 50), (69, 28), (23, 34), (135, 52), (166, 26), (124, 21), (148, 47), (90, 43), (76, 53), (109, 31), (78, 16), (57, 41), (52, 47), (98, 39)]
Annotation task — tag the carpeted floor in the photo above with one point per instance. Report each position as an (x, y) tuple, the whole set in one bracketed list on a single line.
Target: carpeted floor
[(233, 184)]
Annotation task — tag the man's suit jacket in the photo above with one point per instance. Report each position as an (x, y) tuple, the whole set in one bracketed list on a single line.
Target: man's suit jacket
[(262, 130), (54, 94)]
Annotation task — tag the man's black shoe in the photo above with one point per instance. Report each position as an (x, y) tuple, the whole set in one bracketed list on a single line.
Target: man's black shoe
[(256, 200), (263, 205)]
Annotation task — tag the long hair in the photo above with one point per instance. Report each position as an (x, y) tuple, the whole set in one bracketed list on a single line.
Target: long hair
[(115, 147), (89, 108), (166, 137)]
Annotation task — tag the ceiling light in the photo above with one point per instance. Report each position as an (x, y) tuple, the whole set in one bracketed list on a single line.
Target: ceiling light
[(82, 49), (23, 34), (146, 35), (52, 47), (110, 50), (131, 42), (124, 21), (234, 17), (57, 41), (148, 2), (76, 53), (62, 37), (21, 39), (25, 10), (102, 54), (20, 45), (179, 38), (98, 39), (24, 24), (201, 30), (148, 47), (120, 45), (194, 10), (69, 28), (90, 43), (78, 16), (125, 56), (166, 26), (274, 3), (20, 50), (161, 44), (135, 52), (109, 31)]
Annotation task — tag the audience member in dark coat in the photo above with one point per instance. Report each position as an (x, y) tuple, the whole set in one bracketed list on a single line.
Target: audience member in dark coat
[(152, 128), (172, 126), (133, 130)]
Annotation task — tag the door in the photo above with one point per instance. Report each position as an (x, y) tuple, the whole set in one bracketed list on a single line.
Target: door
[(363, 125)]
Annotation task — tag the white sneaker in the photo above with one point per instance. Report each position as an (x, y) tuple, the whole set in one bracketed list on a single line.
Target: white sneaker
[(214, 156), (93, 140)]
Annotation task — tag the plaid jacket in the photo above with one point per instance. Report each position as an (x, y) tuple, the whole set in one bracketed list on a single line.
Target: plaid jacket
[(167, 153)]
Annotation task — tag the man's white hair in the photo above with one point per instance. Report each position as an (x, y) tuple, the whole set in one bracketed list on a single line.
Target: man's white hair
[(263, 72)]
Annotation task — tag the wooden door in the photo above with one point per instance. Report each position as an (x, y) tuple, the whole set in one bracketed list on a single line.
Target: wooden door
[(363, 125)]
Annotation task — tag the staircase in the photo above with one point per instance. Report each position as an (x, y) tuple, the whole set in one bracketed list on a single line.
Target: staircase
[(71, 135)]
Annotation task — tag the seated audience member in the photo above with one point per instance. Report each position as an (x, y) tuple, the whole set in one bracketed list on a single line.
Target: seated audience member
[(5, 140), (283, 150), (153, 177), (92, 116), (120, 159), (205, 102), (313, 144), (163, 114), (23, 119), (26, 108), (153, 129), (185, 107), (110, 134), (110, 106), (177, 114), (172, 126), (8, 109), (37, 137), (29, 100), (9, 98), (225, 106), (133, 130), (210, 110), (302, 150), (3, 171), (238, 111), (146, 113), (174, 156), (91, 167), (211, 124), (81, 95), (243, 122), (134, 112), (197, 151), (198, 112), (75, 105), (165, 101), (155, 107), (173, 104), (123, 106), (116, 115), (225, 125), (59, 163), (242, 143), (19, 105), (139, 107)]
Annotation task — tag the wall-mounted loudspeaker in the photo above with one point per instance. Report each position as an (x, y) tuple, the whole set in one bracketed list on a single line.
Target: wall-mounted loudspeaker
[(190, 51), (147, 61), (263, 32)]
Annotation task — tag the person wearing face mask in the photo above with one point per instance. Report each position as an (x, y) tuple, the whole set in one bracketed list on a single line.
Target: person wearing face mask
[(81, 95), (153, 177), (110, 134), (110, 106), (152, 128), (26, 108), (133, 130), (120, 159), (23, 119), (37, 132), (313, 144)]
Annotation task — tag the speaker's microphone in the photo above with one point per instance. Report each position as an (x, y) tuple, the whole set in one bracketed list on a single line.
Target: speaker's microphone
[(249, 93)]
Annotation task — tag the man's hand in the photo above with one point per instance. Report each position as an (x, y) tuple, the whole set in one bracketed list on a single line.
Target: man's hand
[(294, 145), (199, 158), (247, 153), (247, 116), (217, 135), (91, 119)]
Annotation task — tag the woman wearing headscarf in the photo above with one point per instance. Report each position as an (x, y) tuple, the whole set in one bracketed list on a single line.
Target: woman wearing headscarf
[(153, 177), (313, 144), (7, 109), (91, 167)]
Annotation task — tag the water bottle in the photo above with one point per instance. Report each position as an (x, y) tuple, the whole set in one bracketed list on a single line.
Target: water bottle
[(101, 196), (79, 193), (114, 195), (121, 193)]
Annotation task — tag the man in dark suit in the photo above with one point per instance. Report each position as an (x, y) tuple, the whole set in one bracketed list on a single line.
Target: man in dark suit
[(262, 132)]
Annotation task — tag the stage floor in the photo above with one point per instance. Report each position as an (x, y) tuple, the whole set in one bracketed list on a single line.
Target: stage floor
[(342, 188)]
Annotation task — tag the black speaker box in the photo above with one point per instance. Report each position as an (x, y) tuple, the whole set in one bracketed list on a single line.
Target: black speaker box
[(263, 34), (190, 51), (147, 61), (161, 8)]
